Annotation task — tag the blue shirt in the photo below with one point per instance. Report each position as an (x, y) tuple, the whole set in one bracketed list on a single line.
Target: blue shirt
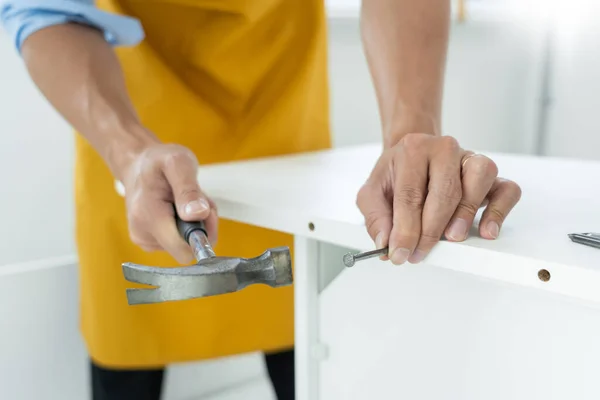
[(21, 18)]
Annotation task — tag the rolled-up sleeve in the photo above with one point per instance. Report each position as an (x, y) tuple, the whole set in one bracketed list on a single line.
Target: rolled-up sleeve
[(21, 18)]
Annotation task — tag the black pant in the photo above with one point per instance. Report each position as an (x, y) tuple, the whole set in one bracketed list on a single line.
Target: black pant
[(147, 384)]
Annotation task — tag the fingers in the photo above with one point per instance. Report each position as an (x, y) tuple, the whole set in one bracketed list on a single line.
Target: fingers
[(443, 195), (181, 169), (167, 174), (503, 196), (478, 176), (427, 187), (374, 204), (167, 236), (410, 190), (152, 227)]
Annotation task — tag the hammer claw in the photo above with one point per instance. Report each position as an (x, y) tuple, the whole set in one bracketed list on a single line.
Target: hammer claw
[(144, 274), (158, 295), (142, 296)]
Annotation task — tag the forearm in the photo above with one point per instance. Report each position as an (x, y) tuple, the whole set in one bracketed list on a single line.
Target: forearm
[(78, 72), (405, 43)]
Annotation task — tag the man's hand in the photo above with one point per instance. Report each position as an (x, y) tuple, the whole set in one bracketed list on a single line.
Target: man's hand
[(426, 187), (158, 177)]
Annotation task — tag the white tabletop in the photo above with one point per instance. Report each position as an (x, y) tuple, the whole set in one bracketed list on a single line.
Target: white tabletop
[(288, 193)]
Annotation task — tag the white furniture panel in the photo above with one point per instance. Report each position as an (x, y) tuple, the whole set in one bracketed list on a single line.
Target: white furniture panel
[(421, 333), (469, 322)]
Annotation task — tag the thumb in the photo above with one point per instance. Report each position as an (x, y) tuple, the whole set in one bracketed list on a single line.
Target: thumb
[(377, 211), (181, 172)]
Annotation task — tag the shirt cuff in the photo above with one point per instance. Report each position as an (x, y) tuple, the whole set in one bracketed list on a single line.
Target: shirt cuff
[(22, 18)]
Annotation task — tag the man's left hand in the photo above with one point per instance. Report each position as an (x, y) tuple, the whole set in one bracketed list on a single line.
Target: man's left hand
[(425, 187)]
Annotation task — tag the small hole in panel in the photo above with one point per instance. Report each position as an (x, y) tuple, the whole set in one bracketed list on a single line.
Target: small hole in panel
[(544, 275), (311, 226)]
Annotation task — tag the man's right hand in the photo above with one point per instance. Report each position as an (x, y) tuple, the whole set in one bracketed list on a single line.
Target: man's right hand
[(92, 96), (158, 177)]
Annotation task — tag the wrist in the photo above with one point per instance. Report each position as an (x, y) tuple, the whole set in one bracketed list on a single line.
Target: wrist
[(125, 146), (410, 122)]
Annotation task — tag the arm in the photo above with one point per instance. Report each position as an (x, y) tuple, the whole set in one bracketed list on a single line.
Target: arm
[(66, 46), (90, 92), (405, 44), (424, 186)]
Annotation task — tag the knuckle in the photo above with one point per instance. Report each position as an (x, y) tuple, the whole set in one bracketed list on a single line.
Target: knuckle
[(468, 208), (408, 196), (371, 219), (362, 196), (411, 139), (483, 166), (516, 191), (147, 247), (496, 213), (405, 239), (136, 216), (413, 142), (491, 167), (366, 196), (428, 239), (449, 143), (177, 155), (136, 238), (189, 192)]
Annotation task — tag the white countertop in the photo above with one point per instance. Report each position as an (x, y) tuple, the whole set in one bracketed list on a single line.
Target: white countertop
[(559, 197)]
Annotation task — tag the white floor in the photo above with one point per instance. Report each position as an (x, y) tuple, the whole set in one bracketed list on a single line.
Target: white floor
[(258, 389)]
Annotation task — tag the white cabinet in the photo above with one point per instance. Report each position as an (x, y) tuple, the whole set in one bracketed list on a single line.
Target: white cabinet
[(423, 333)]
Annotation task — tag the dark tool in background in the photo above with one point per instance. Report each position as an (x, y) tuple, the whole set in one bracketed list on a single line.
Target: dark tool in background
[(211, 275)]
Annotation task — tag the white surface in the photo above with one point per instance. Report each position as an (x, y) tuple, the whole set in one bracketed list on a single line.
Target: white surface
[(424, 333), (306, 314), (573, 123), (558, 198), (41, 353), (32, 139)]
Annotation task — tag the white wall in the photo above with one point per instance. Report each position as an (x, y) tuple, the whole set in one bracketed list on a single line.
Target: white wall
[(32, 138), (491, 103), (574, 125)]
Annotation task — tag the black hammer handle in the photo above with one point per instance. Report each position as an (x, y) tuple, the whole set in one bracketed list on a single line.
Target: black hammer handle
[(186, 228)]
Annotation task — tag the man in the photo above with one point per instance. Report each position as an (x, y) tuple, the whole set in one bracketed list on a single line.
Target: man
[(155, 87)]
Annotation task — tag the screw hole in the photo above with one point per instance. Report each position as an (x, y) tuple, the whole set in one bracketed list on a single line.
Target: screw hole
[(544, 275), (311, 226)]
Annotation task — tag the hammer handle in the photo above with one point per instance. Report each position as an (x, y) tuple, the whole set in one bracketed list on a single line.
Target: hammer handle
[(186, 228)]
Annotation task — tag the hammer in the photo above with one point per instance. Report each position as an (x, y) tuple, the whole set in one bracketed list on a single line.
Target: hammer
[(211, 275)]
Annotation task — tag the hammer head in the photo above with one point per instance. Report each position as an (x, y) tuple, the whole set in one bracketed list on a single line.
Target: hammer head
[(209, 277)]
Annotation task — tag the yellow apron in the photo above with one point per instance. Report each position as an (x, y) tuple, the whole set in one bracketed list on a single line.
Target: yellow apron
[(231, 80)]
